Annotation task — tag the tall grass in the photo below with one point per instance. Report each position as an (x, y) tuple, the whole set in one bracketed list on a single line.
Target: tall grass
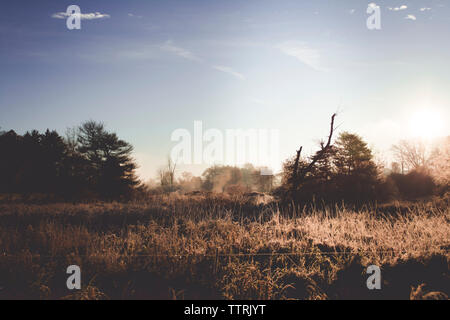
[(215, 247)]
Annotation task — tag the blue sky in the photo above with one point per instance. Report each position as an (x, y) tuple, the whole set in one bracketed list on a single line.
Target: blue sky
[(146, 68)]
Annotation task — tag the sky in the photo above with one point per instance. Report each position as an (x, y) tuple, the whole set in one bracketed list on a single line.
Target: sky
[(148, 68)]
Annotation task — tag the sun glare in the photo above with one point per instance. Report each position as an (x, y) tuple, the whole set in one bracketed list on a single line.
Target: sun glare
[(426, 124)]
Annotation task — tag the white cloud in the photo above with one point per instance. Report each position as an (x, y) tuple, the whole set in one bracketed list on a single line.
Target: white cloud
[(411, 17), (60, 15), (352, 11), (373, 5), (83, 16), (425, 9), (300, 51), (181, 52), (402, 7), (230, 71)]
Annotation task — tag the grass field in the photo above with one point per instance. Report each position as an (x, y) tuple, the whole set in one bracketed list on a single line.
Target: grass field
[(215, 247)]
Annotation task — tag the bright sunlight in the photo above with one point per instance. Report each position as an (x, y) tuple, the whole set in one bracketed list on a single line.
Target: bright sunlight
[(426, 124)]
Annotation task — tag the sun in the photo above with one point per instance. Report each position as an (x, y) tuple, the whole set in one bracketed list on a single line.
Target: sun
[(426, 124)]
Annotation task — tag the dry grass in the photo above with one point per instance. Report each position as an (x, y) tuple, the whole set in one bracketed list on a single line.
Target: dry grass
[(216, 247)]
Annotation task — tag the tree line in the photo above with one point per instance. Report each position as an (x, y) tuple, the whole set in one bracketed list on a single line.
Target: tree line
[(89, 162), (92, 163), (217, 178), (345, 171)]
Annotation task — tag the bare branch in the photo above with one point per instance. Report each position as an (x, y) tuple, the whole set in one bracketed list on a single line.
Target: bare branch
[(318, 156), (297, 159)]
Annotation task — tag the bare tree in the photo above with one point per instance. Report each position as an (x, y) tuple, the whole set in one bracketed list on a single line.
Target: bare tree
[(411, 155), (439, 162), (167, 174), (71, 138)]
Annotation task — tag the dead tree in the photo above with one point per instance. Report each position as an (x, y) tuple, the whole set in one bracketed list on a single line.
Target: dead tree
[(321, 154), (297, 159), (167, 174)]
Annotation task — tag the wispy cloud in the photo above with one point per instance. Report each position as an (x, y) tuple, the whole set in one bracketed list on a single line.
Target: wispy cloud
[(352, 11), (230, 71), (425, 9), (83, 16), (170, 47), (402, 7), (302, 52), (411, 17), (136, 54), (181, 52), (132, 15)]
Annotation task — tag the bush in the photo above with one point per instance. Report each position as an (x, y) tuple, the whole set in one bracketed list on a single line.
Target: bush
[(415, 184)]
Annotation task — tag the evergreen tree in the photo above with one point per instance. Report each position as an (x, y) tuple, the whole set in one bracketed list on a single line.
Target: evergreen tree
[(112, 169)]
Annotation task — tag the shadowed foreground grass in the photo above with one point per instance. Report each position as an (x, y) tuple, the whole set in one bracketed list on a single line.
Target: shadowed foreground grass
[(220, 248)]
